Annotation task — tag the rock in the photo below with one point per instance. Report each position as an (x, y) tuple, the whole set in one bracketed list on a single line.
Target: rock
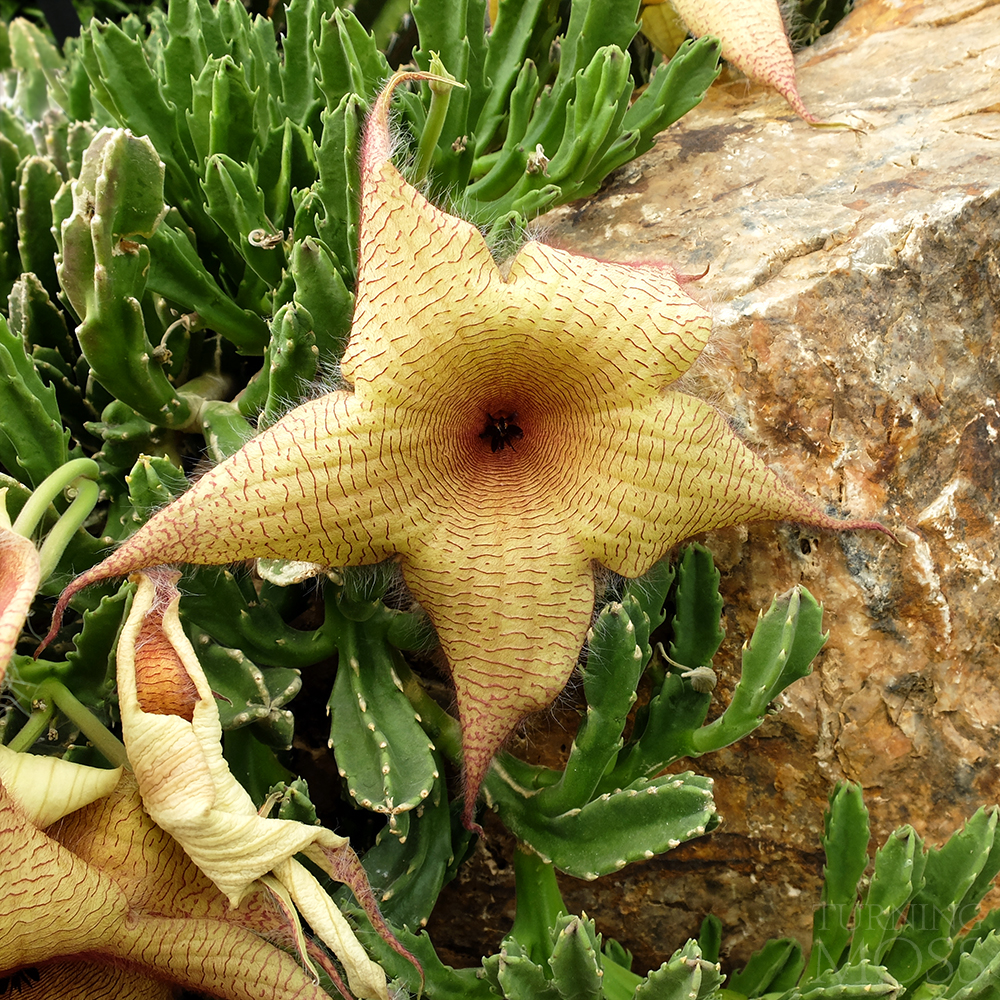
[(855, 283)]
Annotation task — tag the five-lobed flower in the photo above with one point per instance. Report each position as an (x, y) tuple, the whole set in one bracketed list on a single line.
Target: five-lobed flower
[(498, 533)]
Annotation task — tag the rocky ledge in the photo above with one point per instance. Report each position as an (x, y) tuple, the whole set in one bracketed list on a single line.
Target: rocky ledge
[(854, 277)]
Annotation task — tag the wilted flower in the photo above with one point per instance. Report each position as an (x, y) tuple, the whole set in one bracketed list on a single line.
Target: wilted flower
[(97, 901), (171, 728)]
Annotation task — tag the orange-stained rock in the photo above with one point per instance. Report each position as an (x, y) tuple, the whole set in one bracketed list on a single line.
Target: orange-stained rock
[(854, 280)]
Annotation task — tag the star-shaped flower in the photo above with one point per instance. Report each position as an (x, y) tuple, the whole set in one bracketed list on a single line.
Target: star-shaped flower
[(508, 430)]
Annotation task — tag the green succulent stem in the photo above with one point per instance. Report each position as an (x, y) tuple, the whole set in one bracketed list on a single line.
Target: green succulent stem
[(439, 725), (52, 694), (87, 494), (32, 730), (436, 114), (539, 904), (80, 475), (619, 982), (66, 475)]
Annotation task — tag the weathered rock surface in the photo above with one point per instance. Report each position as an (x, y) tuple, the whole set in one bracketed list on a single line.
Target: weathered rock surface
[(855, 283)]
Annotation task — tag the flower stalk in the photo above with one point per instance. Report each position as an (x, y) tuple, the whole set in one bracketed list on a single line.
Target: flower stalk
[(52, 694), (23, 569), (441, 84)]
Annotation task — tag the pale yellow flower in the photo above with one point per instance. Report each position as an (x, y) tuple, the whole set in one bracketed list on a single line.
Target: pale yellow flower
[(507, 432)]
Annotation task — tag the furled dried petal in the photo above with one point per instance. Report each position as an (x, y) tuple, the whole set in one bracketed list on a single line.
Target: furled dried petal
[(106, 883), (184, 779), (327, 922), (171, 728)]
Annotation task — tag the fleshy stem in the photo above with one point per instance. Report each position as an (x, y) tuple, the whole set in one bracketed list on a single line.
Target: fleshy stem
[(619, 983), (80, 474), (539, 904), (539, 901), (48, 696), (441, 87)]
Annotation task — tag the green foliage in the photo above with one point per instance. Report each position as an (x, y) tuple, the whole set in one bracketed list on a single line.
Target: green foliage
[(32, 440), (605, 807), (809, 19), (608, 786), (900, 929), (551, 953)]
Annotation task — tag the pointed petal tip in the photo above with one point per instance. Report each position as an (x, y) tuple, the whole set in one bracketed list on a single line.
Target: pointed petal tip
[(96, 574), (477, 761), (818, 519), (122, 562), (471, 798), (376, 147), (346, 867), (790, 92), (60, 610), (469, 821), (853, 525)]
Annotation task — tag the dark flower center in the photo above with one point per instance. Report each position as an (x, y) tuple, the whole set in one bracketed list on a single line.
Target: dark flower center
[(501, 431)]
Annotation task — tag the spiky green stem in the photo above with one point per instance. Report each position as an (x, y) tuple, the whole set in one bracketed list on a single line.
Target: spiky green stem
[(539, 904)]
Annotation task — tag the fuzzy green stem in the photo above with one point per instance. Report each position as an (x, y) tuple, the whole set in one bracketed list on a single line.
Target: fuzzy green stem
[(34, 510), (438, 724), (226, 429), (38, 723), (436, 114)]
